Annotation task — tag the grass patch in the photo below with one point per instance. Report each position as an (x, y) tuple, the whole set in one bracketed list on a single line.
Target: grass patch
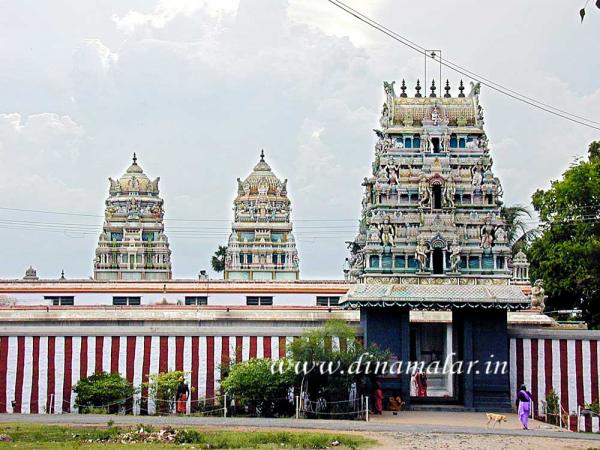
[(45, 437)]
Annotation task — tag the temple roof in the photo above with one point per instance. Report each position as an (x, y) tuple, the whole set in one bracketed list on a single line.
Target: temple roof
[(435, 297), (263, 176), (134, 179)]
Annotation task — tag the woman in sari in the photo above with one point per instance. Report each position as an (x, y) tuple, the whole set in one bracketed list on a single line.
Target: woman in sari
[(182, 394), (378, 395), (523, 405)]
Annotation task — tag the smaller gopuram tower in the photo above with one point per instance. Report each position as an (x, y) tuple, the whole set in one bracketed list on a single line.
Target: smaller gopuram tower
[(261, 245), (133, 245)]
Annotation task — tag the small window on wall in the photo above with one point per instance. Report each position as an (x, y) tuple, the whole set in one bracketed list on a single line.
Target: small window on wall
[(259, 301), (328, 301), (61, 301), (196, 301), (374, 261), (127, 301)]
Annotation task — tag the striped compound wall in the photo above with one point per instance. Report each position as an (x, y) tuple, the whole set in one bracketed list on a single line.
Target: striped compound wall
[(37, 373), (569, 366)]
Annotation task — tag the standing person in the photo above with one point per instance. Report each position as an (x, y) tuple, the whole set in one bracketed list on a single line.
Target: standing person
[(182, 395), (523, 405), (414, 388), (378, 396), (421, 384)]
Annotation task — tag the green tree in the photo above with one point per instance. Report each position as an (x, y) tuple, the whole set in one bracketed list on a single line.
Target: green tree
[(162, 388), (256, 385), (567, 254), (218, 259), (107, 391), (316, 346), (518, 231)]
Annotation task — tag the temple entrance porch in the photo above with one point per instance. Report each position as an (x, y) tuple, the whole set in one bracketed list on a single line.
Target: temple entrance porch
[(465, 362)]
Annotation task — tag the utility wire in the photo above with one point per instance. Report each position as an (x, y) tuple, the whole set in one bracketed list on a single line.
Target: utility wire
[(492, 85)]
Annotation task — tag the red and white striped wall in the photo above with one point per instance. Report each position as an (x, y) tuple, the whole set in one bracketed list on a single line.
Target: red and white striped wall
[(569, 366), (37, 373)]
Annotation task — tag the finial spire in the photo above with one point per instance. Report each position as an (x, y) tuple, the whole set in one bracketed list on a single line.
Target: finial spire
[(447, 89), (433, 88), (418, 89), (461, 88), (262, 155), (403, 89), (134, 158)]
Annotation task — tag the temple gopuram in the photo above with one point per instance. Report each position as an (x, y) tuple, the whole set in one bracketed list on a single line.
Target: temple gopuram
[(133, 245), (432, 238), (261, 245)]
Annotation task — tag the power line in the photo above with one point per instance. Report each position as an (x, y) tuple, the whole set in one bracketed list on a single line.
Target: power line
[(455, 67)]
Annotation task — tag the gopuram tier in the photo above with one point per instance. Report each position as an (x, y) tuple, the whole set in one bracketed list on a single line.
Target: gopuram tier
[(431, 209), (261, 245), (133, 245)]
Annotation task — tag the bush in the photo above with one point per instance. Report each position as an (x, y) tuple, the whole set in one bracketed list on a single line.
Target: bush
[(552, 408), (162, 388), (254, 385), (104, 391)]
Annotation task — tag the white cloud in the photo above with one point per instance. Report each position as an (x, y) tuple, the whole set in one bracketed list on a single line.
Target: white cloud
[(196, 88)]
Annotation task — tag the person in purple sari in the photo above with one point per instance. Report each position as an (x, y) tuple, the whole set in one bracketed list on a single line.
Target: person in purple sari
[(523, 405)]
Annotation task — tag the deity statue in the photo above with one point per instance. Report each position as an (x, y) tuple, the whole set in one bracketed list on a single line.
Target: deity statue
[(227, 260), (134, 184), (487, 236), (500, 235), (392, 171), (110, 212), (449, 191), (421, 252), (455, 250), (537, 294), (134, 210), (477, 176), (114, 185), (446, 142), (424, 142), (373, 233), (435, 115), (424, 191), (387, 232), (480, 113), (384, 121), (156, 211)]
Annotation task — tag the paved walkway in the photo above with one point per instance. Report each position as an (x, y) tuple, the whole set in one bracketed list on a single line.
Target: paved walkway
[(405, 422)]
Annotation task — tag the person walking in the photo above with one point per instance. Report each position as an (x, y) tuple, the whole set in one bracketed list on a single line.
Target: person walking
[(524, 405), (183, 391)]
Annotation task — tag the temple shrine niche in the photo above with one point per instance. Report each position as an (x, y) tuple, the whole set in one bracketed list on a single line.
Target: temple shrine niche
[(261, 245), (432, 238), (133, 244)]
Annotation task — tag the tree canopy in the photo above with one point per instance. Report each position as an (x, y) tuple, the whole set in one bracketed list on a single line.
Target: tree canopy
[(218, 259), (567, 254)]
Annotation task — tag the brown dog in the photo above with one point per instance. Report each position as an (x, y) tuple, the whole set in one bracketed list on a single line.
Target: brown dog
[(495, 418)]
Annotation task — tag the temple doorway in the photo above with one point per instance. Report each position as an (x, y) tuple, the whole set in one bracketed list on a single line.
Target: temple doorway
[(438, 261), (431, 344), (436, 192)]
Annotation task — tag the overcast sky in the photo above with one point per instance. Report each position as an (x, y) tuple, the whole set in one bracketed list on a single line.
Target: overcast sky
[(198, 88)]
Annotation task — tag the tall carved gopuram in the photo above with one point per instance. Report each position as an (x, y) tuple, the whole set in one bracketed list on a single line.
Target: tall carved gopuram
[(431, 210), (133, 244), (261, 245)]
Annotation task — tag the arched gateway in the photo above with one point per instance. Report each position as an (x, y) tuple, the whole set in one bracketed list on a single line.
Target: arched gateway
[(432, 210)]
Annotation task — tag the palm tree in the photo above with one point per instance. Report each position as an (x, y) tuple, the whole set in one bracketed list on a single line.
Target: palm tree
[(518, 231), (218, 259)]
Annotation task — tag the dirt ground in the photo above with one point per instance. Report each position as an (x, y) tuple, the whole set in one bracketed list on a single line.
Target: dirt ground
[(448, 441)]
